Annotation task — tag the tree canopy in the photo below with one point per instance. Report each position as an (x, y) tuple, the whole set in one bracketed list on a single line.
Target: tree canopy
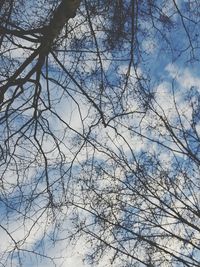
[(100, 132)]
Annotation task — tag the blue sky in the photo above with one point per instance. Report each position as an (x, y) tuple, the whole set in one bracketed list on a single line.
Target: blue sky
[(99, 122)]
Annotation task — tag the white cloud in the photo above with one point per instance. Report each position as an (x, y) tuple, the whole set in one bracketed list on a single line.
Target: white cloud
[(183, 76)]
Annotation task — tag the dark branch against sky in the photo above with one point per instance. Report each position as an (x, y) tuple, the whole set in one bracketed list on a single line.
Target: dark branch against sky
[(99, 133)]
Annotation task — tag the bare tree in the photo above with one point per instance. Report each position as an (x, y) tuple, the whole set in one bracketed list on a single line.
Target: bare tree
[(100, 131)]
